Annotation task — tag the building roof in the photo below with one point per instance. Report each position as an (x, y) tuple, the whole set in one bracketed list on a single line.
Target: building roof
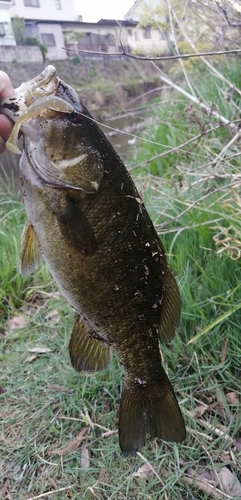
[(135, 4), (74, 24), (117, 22)]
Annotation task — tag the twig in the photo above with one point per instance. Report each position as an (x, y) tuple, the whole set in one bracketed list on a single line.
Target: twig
[(214, 70), (170, 15), (52, 492), (210, 164), (221, 432), (157, 58), (205, 487), (4, 489), (207, 109), (109, 433), (226, 147)]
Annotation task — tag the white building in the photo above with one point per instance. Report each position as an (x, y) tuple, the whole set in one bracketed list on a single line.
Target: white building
[(44, 19), (6, 31), (147, 40), (55, 10)]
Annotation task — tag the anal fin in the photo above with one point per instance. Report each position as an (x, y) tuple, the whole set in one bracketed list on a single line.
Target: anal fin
[(30, 254), (87, 352)]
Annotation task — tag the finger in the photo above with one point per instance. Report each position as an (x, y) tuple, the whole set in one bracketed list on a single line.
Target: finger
[(6, 88), (2, 145), (5, 130)]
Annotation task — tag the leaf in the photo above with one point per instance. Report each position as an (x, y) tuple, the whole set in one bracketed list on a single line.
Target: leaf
[(32, 358), (53, 318), (16, 322), (199, 410), (39, 349), (71, 445), (237, 444), (230, 482), (232, 398), (85, 459), (144, 472)]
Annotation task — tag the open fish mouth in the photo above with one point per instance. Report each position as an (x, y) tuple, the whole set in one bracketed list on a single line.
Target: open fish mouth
[(48, 113), (38, 108), (33, 99), (46, 83)]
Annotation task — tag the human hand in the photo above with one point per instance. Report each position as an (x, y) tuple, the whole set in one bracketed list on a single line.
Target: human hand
[(6, 125)]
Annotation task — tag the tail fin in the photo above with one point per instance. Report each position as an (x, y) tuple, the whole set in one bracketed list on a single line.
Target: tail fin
[(151, 410)]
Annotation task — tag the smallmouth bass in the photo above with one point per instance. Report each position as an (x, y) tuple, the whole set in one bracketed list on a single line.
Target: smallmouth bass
[(88, 222)]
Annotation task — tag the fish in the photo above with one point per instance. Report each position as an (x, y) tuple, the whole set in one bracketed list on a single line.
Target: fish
[(87, 221)]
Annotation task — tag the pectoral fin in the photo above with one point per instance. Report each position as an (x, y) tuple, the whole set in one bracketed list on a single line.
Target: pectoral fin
[(171, 302), (30, 254), (86, 351), (76, 229)]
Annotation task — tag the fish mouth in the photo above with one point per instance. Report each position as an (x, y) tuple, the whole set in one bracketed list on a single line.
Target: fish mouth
[(33, 98), (38, 108), (44, 84)]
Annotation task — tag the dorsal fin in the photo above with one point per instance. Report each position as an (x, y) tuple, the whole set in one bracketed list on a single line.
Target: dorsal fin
[(171, 302)]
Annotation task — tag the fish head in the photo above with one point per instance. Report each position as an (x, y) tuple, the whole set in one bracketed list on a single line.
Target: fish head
[(57, 132)]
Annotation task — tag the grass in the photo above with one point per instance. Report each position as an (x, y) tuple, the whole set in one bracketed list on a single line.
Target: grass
[(58, 438)]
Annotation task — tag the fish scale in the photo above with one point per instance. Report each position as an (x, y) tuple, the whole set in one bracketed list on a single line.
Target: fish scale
[(88, 222)]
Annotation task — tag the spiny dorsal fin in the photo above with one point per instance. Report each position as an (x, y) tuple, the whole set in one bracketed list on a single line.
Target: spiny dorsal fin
[(30, 254), (171, 302), (86, 352)]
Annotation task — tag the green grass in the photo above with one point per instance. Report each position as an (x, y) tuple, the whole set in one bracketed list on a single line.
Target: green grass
[(44, 403)]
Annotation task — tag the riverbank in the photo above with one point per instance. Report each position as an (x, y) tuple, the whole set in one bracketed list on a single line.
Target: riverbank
[(109, 82)]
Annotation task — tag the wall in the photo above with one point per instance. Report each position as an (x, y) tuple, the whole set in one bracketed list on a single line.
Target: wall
[(56, 51), (20, 54), (155, 45), (47, 10), (8, 39), (97, 29)]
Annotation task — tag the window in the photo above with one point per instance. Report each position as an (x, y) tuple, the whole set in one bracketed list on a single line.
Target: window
[(31, 3), (111, 39), (2, 29), (48, 39), (146, 33), (129, 31), (58, 4), (137, 35), (162, 35)]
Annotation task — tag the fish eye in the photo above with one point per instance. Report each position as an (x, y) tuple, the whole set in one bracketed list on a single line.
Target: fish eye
[(74, 117)]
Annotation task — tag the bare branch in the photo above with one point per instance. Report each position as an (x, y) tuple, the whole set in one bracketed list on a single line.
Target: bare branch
[(170, 12), (155, 58), (205, 61)]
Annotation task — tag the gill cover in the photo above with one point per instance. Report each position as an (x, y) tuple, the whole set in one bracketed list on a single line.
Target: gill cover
[(55, 146)]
